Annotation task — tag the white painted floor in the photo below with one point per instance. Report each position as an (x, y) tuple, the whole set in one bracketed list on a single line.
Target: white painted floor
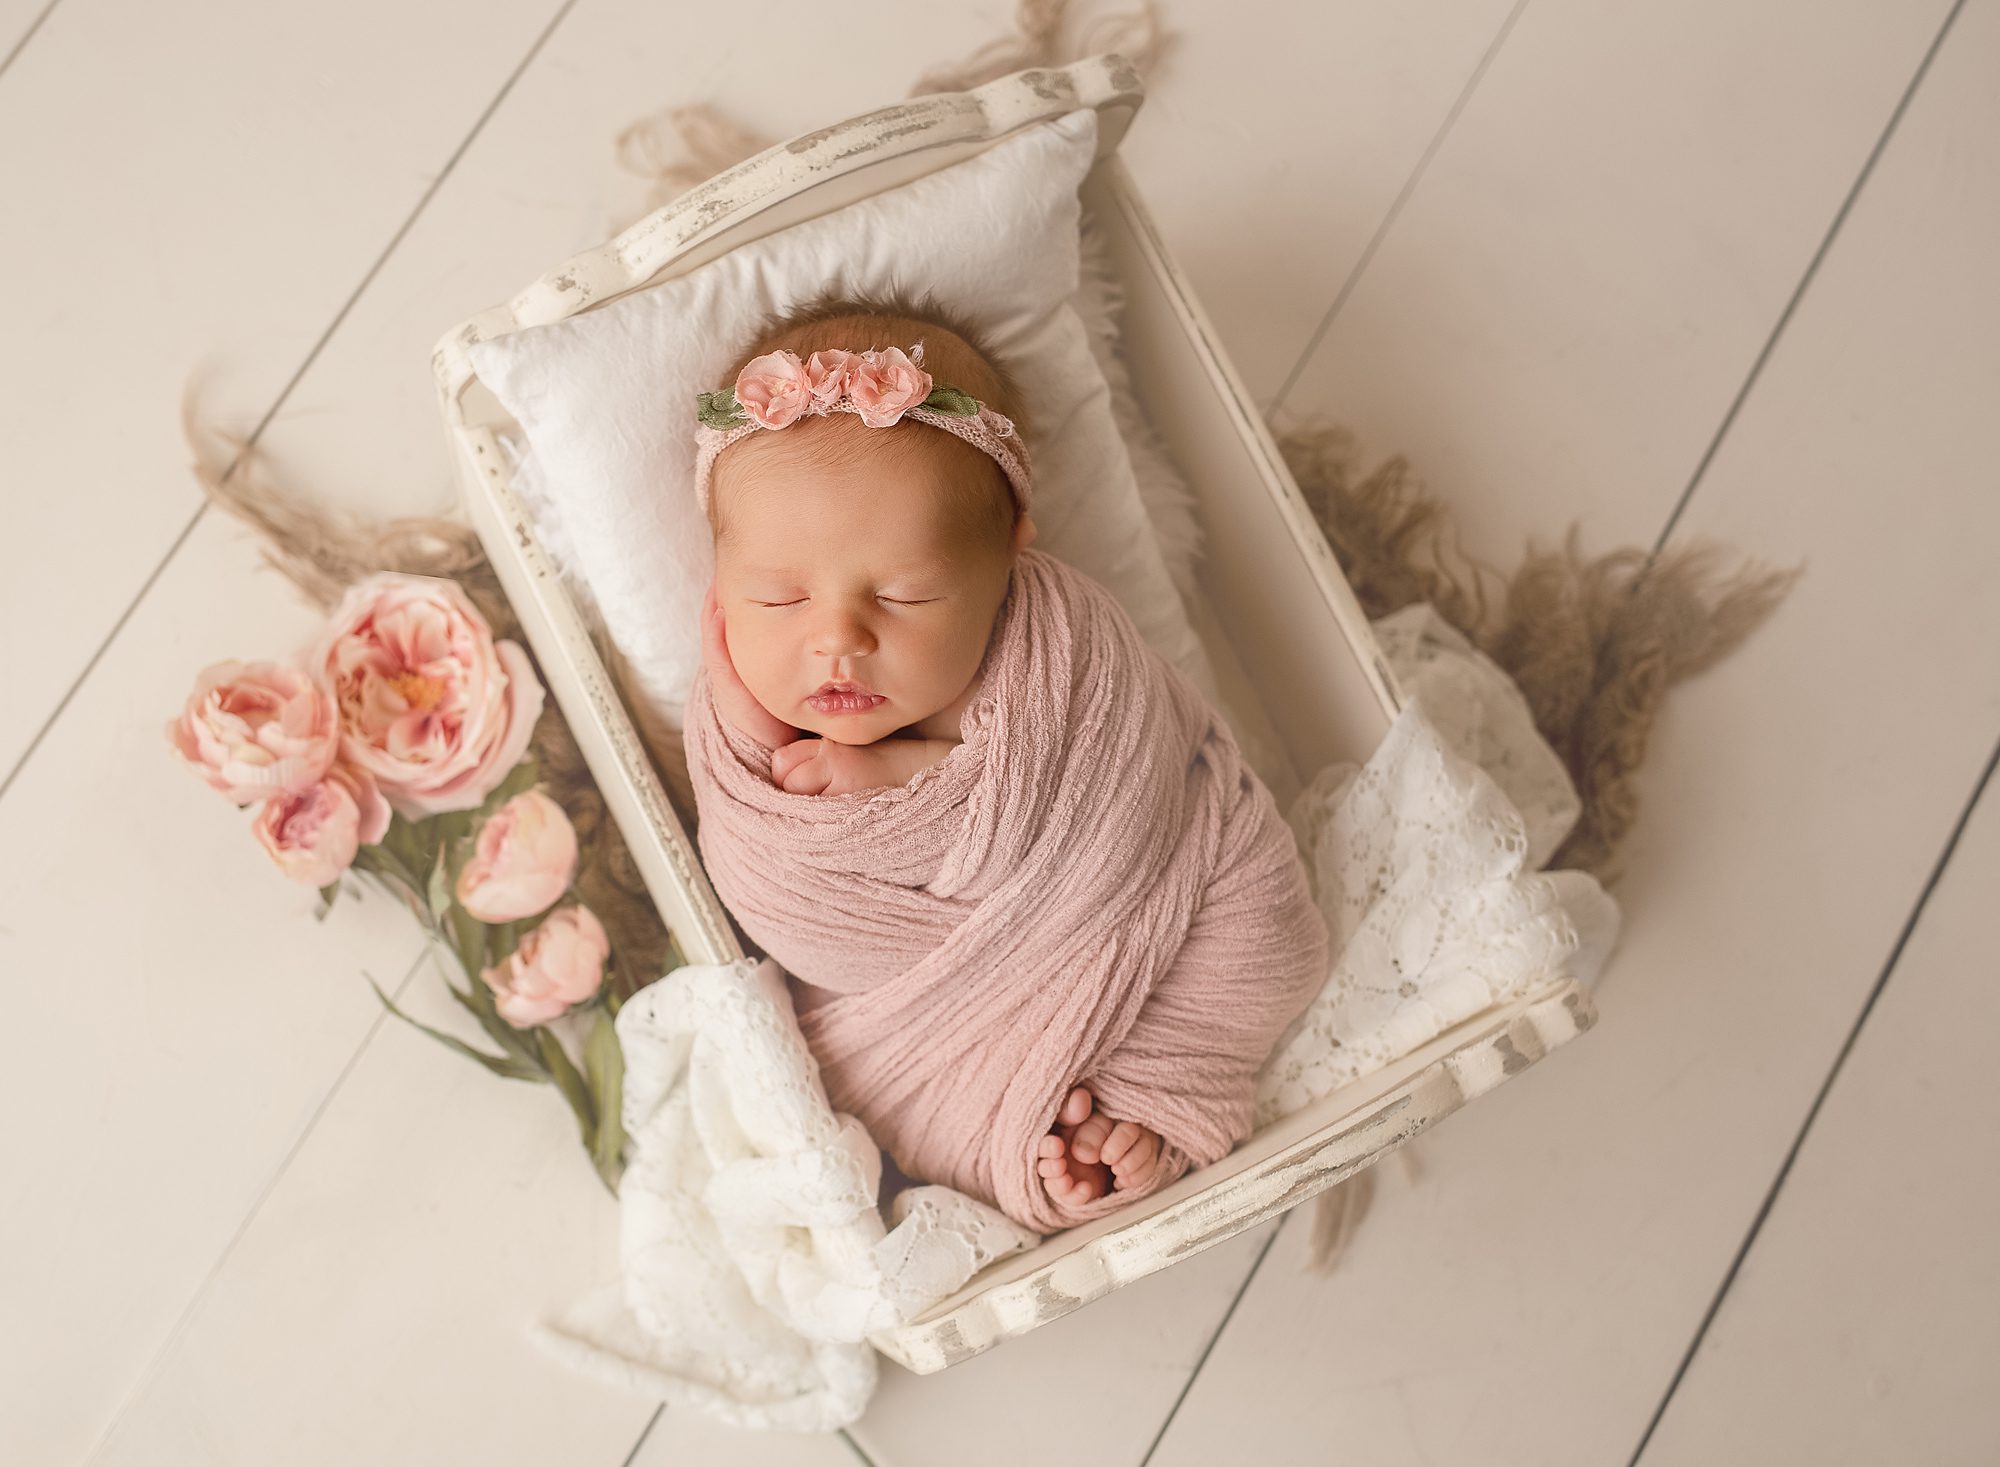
[(1681, 267)]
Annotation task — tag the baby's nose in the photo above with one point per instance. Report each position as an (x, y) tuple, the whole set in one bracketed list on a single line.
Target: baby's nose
[(843, 635)]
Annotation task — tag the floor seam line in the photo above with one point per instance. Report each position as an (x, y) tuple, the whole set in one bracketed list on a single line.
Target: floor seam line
[(1221, 1325), (284, 394), (264, 1195), (27, 35), (645, 1431), (1909, 927), (1395, 209), (1806, 279)]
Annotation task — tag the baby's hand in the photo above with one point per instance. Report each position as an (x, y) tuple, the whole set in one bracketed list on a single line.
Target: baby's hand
[(736, 704), (815, 766)]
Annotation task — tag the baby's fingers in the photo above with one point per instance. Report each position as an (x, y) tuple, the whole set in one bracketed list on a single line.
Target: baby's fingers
[(788, 757), (807, 773), (735, 702)]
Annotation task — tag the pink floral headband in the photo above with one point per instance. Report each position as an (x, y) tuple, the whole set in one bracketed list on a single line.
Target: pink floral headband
[(883, 387)]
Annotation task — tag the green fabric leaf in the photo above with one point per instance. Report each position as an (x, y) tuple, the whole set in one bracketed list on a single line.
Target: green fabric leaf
[(477, 999), (720, 409), (439, 890), (468, 941), (501, 1065), (563, 1072), (604, 1067), (951, 400)]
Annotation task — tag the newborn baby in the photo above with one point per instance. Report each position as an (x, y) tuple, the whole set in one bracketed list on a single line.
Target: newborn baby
[(863, 563)]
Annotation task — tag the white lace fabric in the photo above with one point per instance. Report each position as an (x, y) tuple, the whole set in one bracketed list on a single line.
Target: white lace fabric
[(756, 1256)]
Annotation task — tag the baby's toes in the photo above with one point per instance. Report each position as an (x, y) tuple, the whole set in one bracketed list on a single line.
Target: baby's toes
[(1136, 1165), (1050, 1159), (1059, 1184), (1089, 1139), (1075, 1107), (1119, 1142)]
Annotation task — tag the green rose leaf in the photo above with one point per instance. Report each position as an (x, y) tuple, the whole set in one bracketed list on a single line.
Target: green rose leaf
[(501, 1065), (438, 892), (561, 1070), (604, 1069), (720, 409), (951, 400), (478, 1001)]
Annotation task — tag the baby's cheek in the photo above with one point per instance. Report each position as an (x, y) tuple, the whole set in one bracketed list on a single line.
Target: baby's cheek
[(760, 662)]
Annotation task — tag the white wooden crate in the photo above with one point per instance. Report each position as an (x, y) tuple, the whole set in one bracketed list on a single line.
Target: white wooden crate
[(1294, 655)]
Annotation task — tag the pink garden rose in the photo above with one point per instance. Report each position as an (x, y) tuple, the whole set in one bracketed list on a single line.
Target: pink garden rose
[(314, 833), (429, 704), (558, 965), (773, 389), (882, 384), (826, 375), (525, 858), (256, 729)]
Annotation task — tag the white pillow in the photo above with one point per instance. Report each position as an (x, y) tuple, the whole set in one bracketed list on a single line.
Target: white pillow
[(606, 398)]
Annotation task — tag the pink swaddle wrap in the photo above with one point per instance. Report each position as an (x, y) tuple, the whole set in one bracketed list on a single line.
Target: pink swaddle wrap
[(1093, 888)]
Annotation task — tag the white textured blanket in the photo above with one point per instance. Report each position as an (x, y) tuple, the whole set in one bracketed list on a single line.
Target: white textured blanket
[(756, 1259)]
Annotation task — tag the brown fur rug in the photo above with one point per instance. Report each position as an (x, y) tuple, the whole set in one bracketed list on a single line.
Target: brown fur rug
[(1593, 642)]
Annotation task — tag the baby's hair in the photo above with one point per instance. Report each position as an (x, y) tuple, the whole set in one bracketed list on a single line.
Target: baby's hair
[(955, 351)]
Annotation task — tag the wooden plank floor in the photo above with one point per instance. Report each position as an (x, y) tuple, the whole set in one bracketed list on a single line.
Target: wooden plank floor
[(1665, 269)]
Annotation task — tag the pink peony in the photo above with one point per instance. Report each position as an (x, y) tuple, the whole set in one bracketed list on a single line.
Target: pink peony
[(558, 964), (826, 375), (773, 389), (429, 703), (314, 833), (255, 730), (524, 859), (882, 384)]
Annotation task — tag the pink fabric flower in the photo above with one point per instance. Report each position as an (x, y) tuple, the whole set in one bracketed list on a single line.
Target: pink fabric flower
[(525, 858), (826, 375), (256, 729), (773, 389), (882, 384), (314, 833), (429, 703), (559, 964)]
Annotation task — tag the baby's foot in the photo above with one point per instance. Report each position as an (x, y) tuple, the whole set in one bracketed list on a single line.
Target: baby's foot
[(1128, 1148), (1073, 1159), (1066, 1179)]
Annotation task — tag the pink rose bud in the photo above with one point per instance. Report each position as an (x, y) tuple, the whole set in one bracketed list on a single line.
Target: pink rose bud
[(558, 965), (826, 375), (524, 859), (313, 834), (429, 704), (884, 384), (773, 388), (255, 730)]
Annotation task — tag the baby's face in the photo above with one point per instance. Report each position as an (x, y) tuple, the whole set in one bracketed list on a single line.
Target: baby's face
[(851, 573)]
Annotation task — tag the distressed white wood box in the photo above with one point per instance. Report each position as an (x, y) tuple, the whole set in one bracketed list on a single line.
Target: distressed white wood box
[(1294, 654)]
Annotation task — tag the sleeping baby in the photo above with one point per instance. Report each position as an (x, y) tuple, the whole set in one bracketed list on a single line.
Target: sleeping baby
[(1043, 922)]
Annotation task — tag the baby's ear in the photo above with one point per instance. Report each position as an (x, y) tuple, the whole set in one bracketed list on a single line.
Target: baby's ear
[(1024, 533)]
